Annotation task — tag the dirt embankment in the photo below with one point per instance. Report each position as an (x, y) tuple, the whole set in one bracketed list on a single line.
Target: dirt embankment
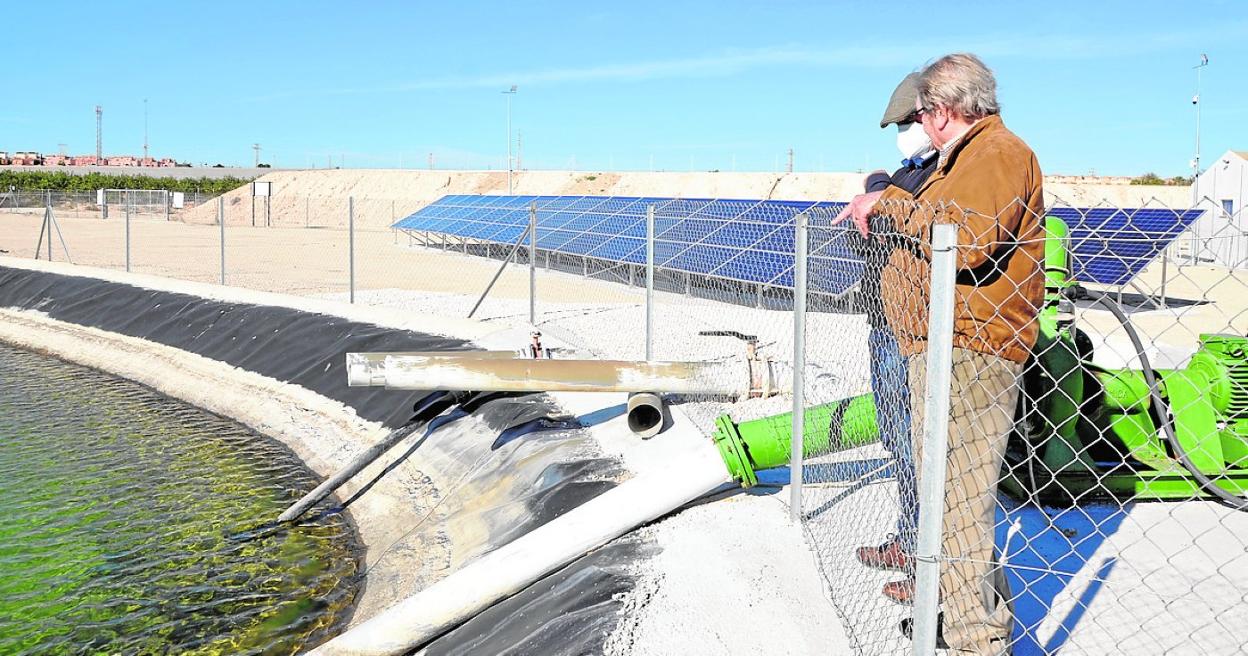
[(381, 196)]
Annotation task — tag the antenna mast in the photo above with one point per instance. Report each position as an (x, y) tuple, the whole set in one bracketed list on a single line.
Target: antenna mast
[(99, 135)]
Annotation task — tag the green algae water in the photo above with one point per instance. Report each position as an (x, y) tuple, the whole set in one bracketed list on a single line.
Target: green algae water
[(134, 524)]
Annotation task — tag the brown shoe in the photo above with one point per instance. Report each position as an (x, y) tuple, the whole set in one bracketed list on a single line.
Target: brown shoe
[(907, 629), (886, 556), (901, 591)]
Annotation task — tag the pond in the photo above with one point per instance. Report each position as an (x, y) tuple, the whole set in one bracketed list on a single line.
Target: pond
[(132, 523)]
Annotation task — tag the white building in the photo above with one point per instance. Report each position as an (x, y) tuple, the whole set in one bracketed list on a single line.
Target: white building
[(1221, 235)]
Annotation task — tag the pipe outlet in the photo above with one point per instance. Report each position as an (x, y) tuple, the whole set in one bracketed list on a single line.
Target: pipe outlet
[(645, 414)]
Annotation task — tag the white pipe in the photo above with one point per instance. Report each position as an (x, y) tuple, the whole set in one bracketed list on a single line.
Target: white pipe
[(509, 569), (413, 371)]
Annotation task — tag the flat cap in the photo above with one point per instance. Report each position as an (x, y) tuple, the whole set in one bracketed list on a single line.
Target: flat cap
[(901, 104)]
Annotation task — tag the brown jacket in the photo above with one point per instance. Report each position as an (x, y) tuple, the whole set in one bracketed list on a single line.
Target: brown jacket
[(990, 186)]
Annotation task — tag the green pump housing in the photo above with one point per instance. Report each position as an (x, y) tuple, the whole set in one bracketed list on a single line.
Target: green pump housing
[(1085, 430), (1080, 429)]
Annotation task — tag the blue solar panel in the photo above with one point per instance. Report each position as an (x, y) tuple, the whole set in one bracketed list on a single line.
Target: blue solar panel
[(1111, 245), (743, 240), (752, 240)]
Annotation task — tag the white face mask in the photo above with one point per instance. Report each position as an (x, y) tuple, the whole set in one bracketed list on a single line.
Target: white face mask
[(912, 140)]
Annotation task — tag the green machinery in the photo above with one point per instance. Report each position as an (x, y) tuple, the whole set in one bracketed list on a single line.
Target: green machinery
[(1081, 430)]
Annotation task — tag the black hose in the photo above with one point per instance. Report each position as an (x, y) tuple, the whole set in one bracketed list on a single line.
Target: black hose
[(1167, 423)]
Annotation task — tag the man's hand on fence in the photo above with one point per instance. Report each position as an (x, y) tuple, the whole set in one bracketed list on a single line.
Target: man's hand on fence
[(859, 209)]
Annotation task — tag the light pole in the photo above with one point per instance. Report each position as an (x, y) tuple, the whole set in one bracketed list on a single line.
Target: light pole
[(509, 93), (145, 130), (1204, 61)]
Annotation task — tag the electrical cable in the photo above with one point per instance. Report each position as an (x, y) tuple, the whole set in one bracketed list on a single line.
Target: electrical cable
[(1228, 499)]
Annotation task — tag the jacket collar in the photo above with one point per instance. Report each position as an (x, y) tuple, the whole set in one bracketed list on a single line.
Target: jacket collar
[(987, 123), (919, 161), (981, 125)]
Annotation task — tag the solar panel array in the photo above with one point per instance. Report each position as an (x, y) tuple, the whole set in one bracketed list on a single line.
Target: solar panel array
[(748, 241), (751, 241), (1112, 245)]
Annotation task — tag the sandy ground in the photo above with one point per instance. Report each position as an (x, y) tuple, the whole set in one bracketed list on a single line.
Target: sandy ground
[(283, 260), (735, 574)]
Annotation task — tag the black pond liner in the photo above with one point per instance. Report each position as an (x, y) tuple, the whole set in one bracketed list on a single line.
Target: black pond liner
[(571, 611), (285, 344)]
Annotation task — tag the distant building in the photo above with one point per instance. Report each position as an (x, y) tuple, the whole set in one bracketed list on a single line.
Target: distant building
[(30, 158), (26, 158), (1088, 179), (1222, 190)]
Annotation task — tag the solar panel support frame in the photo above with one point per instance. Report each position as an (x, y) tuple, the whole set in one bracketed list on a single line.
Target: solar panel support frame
[(497, 274), (1165, 271)]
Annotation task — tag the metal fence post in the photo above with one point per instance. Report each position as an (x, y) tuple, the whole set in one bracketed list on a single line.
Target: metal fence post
[(168, 202), (649, 282), (127, 238), (935, 438), (47, 218), (221, 222), (533, 264), (351, 244), (799, 366)]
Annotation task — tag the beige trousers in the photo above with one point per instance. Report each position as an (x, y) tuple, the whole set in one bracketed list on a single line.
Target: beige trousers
[(983, 392)]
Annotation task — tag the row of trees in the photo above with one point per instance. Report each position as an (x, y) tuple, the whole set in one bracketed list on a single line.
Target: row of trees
[(64, 181), (1154, 179)]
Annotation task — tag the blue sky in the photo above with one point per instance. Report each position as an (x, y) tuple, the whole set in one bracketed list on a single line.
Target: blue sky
[(1092, 86)]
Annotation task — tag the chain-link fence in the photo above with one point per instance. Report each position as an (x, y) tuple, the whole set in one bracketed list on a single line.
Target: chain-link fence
[(1094, 393), (1079, 512), (102, 203)]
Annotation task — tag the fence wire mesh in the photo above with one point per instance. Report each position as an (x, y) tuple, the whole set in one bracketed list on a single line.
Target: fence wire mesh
[(1081, 517), (860, 485), (1097, 456)]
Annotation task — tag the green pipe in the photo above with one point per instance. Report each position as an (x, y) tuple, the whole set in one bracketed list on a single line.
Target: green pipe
[(1057, 270), (752, 446), (1056, 259), (1053, 386)]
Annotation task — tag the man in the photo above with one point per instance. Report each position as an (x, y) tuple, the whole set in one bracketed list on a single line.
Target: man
[(988, 183), (888, 368)]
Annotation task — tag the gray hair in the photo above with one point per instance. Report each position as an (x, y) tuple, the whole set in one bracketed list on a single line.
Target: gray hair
[(960, 83)]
